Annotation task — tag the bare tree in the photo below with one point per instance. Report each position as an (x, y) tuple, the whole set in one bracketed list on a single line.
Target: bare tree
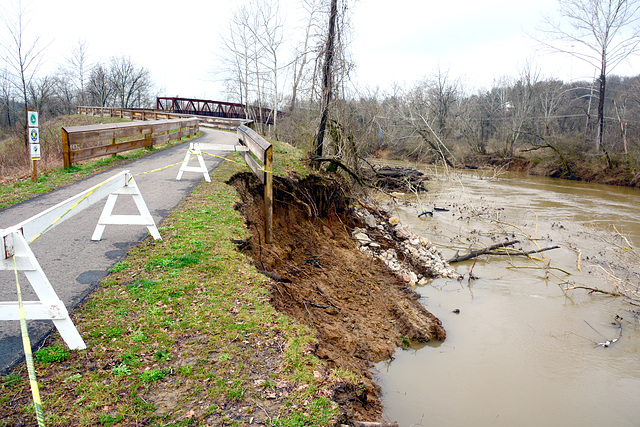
[(131, 85), (606, 32), (65, 93), (302, 53), (523, 98), (7, 103), (77, 68), (41, 92), (327, 76), (100, 89), (443, 96), (237, 59), (24, 54), (271, 38)]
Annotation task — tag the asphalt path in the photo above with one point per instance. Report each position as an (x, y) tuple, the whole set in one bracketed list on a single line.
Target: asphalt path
[(73, 263)]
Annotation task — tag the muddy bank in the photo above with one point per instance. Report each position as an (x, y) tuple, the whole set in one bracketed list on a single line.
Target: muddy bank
[(327, 275)]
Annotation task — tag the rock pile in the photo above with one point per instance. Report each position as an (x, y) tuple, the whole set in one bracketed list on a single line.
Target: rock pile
[(411, 257)]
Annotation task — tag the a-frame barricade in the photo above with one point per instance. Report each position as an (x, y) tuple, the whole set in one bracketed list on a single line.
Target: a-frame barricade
[(144, 218), (15, 253), (196, 149)]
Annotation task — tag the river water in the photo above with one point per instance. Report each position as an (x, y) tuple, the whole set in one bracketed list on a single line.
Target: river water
[(523, 351)]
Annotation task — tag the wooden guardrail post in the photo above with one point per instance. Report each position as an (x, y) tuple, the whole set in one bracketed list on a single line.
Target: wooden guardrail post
[(268, 194), (66, 149), (148, 142)]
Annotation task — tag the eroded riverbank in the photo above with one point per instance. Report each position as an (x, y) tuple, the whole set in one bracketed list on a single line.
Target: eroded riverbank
[(362, 310)]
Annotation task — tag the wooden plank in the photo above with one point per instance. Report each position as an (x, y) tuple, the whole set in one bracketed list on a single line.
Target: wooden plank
[(93, 133), (255, 167), (89, 136), (161, 139), (255, 142), (104, 150)]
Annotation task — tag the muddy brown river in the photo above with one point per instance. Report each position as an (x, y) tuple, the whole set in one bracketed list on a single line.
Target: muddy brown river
[(523, 350)]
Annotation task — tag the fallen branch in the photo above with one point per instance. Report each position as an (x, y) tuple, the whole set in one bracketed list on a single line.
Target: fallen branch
[(474, 254), (546, 268), (535, 251), (591, 290), (338, 164)]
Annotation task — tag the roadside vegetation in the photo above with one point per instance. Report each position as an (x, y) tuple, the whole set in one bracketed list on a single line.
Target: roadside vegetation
[(182, 333)]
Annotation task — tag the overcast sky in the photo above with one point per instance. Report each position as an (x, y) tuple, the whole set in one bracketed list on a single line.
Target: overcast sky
[(393, 41)]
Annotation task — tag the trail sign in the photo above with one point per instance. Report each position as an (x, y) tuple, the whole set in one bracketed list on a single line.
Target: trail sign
[(35, 151), (32, 119), (34, 140), (34, 135)]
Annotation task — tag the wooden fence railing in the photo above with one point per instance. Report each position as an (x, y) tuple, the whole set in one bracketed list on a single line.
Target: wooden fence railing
[(81, 142), (263, 152), (146, 114)]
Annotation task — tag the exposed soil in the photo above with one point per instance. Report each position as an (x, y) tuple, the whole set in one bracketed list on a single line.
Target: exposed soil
[(361, 311)]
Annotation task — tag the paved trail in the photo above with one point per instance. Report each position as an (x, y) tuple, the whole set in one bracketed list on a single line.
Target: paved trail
[(73, 263)]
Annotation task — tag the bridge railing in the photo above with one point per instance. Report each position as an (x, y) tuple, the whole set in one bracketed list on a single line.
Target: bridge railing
[(148, 114), (87, 142), (220, 109)]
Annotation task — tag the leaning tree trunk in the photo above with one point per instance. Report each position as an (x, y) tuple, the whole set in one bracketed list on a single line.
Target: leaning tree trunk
[(327, 78), (603, 82)]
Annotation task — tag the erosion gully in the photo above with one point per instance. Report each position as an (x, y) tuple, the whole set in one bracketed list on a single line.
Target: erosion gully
[(522, 350)]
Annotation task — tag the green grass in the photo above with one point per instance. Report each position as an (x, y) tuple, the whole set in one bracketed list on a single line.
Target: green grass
[(186, 317), (52, 354)]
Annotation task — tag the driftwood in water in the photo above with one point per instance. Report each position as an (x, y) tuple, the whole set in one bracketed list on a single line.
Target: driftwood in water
[(474, 254), (536, 251), (397, 179)]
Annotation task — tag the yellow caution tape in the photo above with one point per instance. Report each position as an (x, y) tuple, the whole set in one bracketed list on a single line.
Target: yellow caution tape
[(159, 169), (69, 210), (232, 161), (26, 343)]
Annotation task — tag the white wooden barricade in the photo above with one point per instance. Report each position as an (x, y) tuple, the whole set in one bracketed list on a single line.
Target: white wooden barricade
[(195, 149), (14, 241)]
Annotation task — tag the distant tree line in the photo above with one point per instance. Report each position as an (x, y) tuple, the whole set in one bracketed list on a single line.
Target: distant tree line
[(436, 119), (117, 82)]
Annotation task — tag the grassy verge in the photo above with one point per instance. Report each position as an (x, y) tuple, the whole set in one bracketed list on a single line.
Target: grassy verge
[(182, 333), (24, 189)]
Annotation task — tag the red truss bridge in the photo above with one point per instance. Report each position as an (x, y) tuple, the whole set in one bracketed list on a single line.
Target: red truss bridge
[(204, 107)]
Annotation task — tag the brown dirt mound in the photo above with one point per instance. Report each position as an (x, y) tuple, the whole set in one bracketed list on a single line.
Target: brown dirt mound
[(360, 310)]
